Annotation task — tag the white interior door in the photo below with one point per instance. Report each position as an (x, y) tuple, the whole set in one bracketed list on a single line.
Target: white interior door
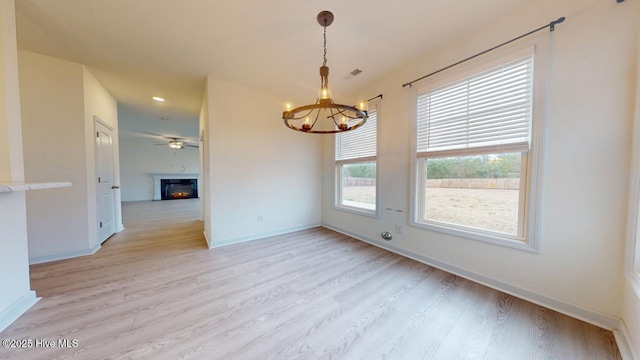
[(106, 188)]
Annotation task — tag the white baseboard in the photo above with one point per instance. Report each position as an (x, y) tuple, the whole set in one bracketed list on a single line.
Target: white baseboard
[(216, 244), (207, 239), (625, 345), (13, 312), (587, 315), (63, 256)]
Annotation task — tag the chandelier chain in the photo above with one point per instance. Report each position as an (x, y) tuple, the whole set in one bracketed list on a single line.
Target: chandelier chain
[(324, 62)]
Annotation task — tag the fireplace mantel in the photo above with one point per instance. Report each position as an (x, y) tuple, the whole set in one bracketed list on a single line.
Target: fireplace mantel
[(159, 176)]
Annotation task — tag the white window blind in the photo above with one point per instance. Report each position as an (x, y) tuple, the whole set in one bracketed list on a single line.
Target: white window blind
[(490, 111), (359, 143)]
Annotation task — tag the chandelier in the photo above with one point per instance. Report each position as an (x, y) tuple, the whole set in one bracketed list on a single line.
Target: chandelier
[(325, 116)]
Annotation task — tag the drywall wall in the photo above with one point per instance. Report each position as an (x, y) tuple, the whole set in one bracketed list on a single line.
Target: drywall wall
[(52, 98), (139, 157), (5, 160), (59, 99), (585, 171), (259, 169), (205, 167), (15, 288), (11, 160)]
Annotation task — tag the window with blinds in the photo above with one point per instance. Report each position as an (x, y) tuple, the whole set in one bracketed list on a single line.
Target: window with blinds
[(489, 112), (476, 150), (360, 143), (356, 173)]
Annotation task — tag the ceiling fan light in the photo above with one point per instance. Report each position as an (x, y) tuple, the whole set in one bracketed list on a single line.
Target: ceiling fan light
[(176, 145)]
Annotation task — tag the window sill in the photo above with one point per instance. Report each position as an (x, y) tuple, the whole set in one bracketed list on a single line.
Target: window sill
[(478, 236)]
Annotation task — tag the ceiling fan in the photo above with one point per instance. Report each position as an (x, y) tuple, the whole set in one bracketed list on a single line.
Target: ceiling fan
[(177, 143)]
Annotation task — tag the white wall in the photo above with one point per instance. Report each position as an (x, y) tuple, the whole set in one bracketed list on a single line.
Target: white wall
[(585, 172), (205, 166), (257, 167), (15, 290), (59, 99), (140, 157), (8, 97), (51, 93), (99, 102)]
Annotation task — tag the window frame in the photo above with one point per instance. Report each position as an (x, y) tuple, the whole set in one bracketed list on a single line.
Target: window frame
[(632, 248), (530, 196), (421, 193), (375, 105)]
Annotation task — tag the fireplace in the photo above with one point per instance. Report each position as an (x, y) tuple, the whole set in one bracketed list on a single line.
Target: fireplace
[(169, 186), (171, 189)]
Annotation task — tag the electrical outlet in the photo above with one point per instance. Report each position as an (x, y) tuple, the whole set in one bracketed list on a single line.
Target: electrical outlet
[(399, 229), (260, 218)]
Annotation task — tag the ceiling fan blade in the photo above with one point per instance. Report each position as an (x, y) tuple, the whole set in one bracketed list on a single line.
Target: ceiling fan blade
[(192, 146), (178, 138)]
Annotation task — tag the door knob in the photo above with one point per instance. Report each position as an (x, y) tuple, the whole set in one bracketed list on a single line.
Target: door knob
[(115, 187)]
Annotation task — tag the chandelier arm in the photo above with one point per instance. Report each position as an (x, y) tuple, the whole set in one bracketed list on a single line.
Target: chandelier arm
[(358, 115), (310, 131), (316, 119), (333, 116), (299, 118), (344, 113)]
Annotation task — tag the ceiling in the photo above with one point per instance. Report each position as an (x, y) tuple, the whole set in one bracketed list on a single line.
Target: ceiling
[(143, 48)]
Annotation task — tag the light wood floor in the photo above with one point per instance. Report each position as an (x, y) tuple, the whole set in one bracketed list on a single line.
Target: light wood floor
[(154, 291)]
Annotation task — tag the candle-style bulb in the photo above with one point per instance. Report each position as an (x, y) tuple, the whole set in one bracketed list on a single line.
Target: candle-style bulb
[(307, 124), (343, 123), (363, 105), (324, 93)]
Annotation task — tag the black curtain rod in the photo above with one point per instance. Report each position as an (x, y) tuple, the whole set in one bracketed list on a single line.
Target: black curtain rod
[(551, 26), (375, 97)]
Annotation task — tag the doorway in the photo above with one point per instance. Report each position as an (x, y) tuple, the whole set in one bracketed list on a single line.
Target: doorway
[(105, 171)]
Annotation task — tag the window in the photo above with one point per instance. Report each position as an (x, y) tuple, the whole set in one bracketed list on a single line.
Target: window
[(473, 147), (356, 173)]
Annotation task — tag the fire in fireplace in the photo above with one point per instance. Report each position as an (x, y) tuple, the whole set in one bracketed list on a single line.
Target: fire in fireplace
[(172, 189)]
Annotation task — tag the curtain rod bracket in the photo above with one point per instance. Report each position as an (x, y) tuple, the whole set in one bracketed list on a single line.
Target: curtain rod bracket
[(552, 25)]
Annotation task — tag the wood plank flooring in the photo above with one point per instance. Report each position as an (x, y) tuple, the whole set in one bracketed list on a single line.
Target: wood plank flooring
[(154, 291)]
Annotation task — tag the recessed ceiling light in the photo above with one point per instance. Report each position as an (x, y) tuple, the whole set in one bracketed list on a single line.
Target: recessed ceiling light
[(158, 98)]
